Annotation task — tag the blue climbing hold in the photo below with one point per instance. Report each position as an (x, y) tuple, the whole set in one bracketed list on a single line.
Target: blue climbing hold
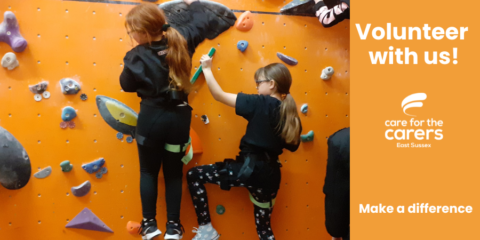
[(129, 139), (99, 175), (104, 170), (68, 114), (307, 137), (93, 166), (242, 45), (304, 108), (119, 135)]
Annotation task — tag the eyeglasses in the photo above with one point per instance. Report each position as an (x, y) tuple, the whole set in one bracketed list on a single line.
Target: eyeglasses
[(260, 81)]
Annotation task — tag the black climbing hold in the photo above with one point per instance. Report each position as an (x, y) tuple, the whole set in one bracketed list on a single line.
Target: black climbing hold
[(205, 119), (15, 168), (219, 17), (299, 8), (83, 96)]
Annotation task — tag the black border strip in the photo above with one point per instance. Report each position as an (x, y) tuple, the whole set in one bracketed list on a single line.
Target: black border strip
[(135, 3)]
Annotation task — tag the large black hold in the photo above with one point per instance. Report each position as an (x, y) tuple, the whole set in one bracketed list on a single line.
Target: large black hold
[(15, 168), (220, 18)]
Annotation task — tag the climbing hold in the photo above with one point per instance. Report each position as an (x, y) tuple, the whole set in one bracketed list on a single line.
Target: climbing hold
[(129, 139), (307, 137), (118, 115), (82, 190), (15, 168), (93, 166), (66, 166), (288, 60), (327, 73), (88, 221), (71, 124), (69, 86), (304, 108), (83, 96), (46, 94), (9, 61), (199, 70), (205, 119), (43, 173), (179, 15), (245, 21), (119, 135), (63, 125), (99, 175), (196, 144), (68, 113), (39, 88), (220, 209), (299, 8), (103, 170), (10, 33), (242, 45), (133, 227), (37, 97)]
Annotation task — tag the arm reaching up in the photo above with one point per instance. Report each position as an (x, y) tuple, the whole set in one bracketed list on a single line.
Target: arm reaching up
[(218, 94)]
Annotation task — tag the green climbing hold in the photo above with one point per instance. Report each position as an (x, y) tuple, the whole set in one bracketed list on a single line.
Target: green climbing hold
[(199, 70), (66, 166), (220, 209), (307, 137)]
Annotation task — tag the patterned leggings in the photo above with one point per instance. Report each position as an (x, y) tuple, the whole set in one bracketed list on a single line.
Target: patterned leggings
[(198, 176)]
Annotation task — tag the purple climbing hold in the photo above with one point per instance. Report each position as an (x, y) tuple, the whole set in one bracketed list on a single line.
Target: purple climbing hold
[(88, 221), (288, 60), (82, 190), (10, 34)]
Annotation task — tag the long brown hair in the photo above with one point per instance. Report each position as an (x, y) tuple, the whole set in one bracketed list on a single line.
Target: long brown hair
[(289, 124), (148, 18)]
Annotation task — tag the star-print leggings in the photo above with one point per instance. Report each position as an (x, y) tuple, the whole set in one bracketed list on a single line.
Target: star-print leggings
[(198, 176)]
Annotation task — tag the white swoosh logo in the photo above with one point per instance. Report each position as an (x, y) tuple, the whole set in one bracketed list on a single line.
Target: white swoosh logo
[(412, 101)]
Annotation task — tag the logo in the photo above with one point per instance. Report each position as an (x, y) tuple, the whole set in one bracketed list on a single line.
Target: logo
[(413, 101)]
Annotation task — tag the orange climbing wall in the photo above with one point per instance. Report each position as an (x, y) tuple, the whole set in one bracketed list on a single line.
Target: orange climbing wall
[(92, 39)]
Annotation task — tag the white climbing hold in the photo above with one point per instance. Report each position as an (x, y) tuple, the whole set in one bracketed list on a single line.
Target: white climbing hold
[(46, 94), (9, 61), (327, 73), (38, 97)]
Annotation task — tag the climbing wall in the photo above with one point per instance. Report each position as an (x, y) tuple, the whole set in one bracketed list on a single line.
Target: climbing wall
[(87, 41)]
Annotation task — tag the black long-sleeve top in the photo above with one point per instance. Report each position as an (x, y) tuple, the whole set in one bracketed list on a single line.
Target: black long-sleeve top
[(146, 72)]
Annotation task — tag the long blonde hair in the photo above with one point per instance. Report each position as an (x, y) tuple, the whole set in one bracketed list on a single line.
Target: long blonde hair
[(148, 18), (289, 124)]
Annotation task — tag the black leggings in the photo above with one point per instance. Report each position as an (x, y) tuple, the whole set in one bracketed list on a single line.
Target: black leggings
[(157, 126), (196, 179)]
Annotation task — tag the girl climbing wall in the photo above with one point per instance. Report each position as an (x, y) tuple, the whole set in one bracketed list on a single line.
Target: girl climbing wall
[(273, 125), (158, 69)]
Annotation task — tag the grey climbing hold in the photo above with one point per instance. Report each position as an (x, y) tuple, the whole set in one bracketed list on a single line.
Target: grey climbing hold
[(15, 168), (37, 97), (220, 209), (327, 73), (93, 166), (83, 96), (99, 175), (242, 45), (66, 166), (82, 190), (307, 137), (119, 135), (205, 119), (129, 139), (39, 88), (288, 60), (304, 108), (68, 113), (299, 8), (103, 170), (9, 61), (69, 86), (43, 173)]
